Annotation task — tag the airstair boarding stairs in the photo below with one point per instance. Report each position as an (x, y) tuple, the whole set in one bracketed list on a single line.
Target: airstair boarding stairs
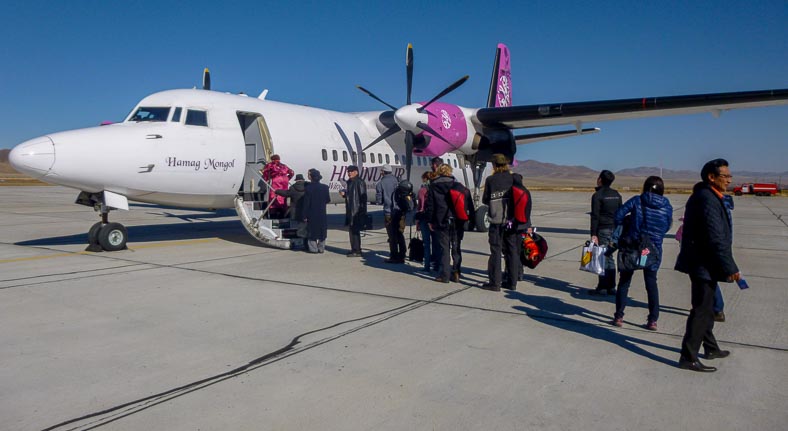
[(252, 209)]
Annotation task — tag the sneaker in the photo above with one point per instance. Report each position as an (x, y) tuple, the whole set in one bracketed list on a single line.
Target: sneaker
[(618, 321), (651, 325)]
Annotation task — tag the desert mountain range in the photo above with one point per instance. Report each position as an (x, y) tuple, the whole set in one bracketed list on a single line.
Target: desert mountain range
[(539, 174)]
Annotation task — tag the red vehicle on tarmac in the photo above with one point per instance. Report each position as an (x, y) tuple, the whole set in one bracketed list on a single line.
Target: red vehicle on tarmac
[(757, 189)]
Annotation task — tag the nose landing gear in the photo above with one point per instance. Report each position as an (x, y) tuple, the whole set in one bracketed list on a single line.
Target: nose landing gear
[(106, 236)]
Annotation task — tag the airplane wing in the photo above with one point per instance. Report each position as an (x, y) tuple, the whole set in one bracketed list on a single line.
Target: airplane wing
[(576, 113)]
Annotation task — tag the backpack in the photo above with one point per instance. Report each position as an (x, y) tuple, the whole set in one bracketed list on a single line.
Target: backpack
[(461, 202), (403, 196), (521, 202)]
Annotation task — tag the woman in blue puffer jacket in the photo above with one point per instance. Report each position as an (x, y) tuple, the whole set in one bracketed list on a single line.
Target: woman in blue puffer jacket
[(659, 217)]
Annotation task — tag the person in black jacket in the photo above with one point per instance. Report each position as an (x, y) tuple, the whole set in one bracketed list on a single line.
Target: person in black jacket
[(355, 195), (707, 258), (315, 199), (295, 211), (502, 239), (604, 204), (440, 219)]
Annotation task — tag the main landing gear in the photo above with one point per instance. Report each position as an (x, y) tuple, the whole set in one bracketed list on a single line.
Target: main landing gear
[(103, 236)]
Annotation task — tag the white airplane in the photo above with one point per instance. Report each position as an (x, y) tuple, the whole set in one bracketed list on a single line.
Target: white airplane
[(203, 149)]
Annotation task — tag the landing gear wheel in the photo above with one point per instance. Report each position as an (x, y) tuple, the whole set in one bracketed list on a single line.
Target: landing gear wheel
[(481, 219), (113, 236), (93, 242)]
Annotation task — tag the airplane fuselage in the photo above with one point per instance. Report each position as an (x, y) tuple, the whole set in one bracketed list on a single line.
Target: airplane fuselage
[(199, 150)]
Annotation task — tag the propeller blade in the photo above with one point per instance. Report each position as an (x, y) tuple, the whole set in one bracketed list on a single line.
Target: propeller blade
[(408, 152), (430, 130), (206, 79), (409, 70), (392, 130), (375, 97), (448, 90)]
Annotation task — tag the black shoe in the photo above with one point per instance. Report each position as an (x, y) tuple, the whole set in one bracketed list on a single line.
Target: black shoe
[(717, 354), (441, 280), (597, 292), (354, 254), (719, 317), (507, 287), (492, 287), (695, 366)]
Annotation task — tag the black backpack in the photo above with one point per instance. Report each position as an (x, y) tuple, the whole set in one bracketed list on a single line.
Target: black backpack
[(403, 196)]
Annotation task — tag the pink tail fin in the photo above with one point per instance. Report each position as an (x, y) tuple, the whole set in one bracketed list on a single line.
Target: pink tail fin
[(500, 94)]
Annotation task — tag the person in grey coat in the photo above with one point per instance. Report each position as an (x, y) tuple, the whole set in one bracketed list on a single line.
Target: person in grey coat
[(315, 199)]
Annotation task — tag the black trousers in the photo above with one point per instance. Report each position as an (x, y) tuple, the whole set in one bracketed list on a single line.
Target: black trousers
[(700, 322), (444, 239), (503, 242), (355, 238), (456, 234), (395, 228)]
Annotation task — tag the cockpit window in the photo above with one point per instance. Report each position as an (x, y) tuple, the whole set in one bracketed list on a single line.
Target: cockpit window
[(196, 118), (145, 113), (176, 115)]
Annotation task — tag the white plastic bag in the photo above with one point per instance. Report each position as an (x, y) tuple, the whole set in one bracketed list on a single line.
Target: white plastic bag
[(593, 258)]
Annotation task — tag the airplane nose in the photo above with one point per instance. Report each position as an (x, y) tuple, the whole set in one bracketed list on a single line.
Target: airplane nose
[(34, 157)]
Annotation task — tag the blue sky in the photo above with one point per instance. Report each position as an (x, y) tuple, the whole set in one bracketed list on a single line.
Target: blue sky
[(67, 65)]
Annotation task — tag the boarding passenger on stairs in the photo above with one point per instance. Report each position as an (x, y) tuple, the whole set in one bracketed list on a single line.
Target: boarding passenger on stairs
[(278, 175), (604, 204), (384, 195), (315, 200), (295, 211), (355, 195)]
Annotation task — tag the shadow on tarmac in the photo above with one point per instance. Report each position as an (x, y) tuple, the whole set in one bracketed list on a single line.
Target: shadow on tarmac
[(555, 312)]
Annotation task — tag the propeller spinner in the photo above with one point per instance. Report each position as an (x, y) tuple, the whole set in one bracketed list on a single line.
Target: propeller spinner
[(411, 118)]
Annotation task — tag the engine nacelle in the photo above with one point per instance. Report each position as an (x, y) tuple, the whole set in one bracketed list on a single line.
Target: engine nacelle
[(449, 124), (492, 141)]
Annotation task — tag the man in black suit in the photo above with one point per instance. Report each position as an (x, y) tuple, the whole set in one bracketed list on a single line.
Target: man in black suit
[(707, 258)]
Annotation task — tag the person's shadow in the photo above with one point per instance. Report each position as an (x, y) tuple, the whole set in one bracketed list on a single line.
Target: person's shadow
[(580, 293), (555, 312)]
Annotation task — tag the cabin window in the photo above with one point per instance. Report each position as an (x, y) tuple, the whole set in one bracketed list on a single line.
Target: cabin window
[(380, 158), (364, 157), (325, 154), (334, 155), (372, 157), (196, 118), (176, 115), (396, 159), (344, 156), (144, 113), (388, 160), (354, 156), (418, 161), (455, 163)]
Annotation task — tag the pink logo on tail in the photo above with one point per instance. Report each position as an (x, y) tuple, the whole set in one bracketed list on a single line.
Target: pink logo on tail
[(503, 97)]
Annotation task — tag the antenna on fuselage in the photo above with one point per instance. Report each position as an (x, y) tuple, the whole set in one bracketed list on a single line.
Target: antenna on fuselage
[(206, 79)]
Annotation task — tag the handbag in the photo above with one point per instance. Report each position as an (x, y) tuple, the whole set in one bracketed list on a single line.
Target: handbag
[(593, 258), (638, 253), (416, 249)]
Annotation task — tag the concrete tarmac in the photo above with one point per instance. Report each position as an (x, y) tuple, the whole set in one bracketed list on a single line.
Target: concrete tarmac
[(196, 326)]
